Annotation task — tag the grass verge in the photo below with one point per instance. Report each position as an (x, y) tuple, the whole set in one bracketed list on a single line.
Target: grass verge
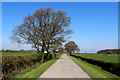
[(36, 71), (94, 71)]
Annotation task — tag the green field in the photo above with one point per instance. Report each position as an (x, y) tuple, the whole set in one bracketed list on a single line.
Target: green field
[(94, 71), (105, 57), (17, 53)]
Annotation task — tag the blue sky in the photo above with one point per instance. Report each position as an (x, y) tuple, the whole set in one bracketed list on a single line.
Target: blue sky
[(95, 24)]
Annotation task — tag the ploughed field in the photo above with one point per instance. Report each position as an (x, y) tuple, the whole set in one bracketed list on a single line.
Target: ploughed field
[(114, 58)]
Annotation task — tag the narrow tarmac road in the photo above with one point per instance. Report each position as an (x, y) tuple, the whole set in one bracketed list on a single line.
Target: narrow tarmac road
[(64, 68)]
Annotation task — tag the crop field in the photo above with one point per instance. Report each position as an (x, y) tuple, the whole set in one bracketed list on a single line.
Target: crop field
[(105, 57)]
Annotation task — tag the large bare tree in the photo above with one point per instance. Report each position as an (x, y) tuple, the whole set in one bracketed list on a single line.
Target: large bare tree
[(42, 28)]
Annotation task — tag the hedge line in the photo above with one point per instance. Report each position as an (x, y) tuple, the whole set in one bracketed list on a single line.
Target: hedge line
[(12, 64), (108, 66)]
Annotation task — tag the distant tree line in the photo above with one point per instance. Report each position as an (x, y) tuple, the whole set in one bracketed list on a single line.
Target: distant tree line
[(109, 51)]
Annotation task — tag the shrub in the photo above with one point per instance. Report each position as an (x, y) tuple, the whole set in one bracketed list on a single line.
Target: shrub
[(11, 64)]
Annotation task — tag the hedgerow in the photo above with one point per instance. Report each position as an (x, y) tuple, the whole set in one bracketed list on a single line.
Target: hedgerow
[(12, 65), (108, 66)]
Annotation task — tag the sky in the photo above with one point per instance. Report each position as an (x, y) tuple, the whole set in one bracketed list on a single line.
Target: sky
[(95, 24)]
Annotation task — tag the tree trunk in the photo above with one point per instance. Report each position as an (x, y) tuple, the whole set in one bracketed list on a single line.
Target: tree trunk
[(43, 47), (42, 50), (37, 47), (47, 49), (47, 54), (42, 57), (54, 51), (38, 51), (55, 55)]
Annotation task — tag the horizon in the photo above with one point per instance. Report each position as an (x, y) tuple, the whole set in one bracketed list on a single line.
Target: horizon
[(95, 24)]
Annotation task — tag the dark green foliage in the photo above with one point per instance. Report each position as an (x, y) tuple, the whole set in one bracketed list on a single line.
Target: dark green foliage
[(71, 47), (12, 64), (109, 51), (108, 66)]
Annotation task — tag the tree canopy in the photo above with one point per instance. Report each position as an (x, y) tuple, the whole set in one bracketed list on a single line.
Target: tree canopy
[(71, 47), (43, 29)]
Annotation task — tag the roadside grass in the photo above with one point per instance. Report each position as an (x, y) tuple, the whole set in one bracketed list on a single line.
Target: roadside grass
[(95, 72), (36, 71), (106, 57)]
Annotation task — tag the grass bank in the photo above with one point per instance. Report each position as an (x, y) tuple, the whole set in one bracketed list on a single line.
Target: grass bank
[(94, 71), (36, 71)]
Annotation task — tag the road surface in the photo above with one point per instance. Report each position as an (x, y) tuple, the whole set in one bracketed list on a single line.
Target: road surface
[(64, 68)]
